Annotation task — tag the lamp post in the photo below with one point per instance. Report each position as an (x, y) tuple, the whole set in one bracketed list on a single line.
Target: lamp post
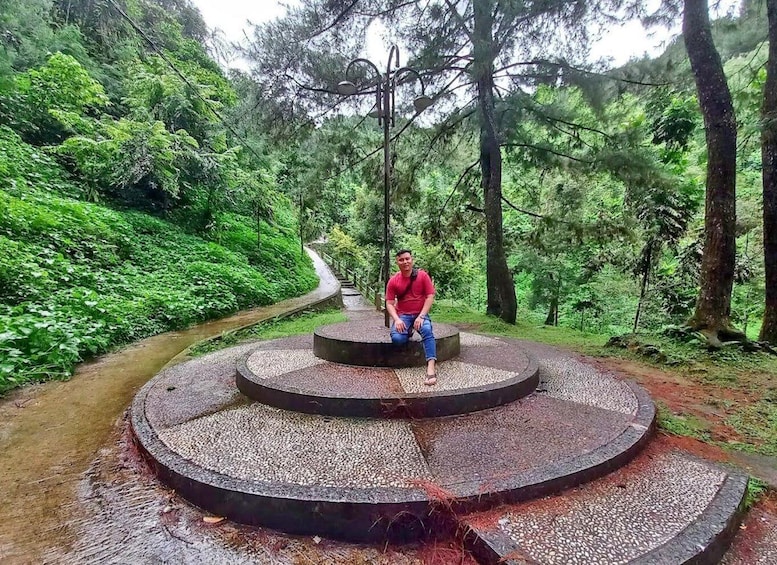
[(385, 88)]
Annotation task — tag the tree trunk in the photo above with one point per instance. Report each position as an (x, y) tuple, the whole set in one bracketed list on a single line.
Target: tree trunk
[(644, 285), (713, 307), (769, 160), (552, 318), (501, 299)]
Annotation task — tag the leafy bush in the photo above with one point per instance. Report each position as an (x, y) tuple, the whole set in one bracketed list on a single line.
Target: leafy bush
[(24, 167), (61, 85), (77, 279)]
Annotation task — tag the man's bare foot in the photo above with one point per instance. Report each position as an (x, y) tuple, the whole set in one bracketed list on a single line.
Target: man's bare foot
[(431, 380)]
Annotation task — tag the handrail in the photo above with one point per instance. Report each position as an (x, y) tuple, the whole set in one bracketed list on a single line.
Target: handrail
[(344, 269)]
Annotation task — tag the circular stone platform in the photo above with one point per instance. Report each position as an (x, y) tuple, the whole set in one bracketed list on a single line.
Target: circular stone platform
[(367, 343), (486, 373), (369, 479)]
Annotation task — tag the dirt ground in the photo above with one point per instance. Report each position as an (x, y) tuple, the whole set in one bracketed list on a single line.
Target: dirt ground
[(711, 406)]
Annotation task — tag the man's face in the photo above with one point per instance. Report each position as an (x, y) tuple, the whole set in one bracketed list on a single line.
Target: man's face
[(405, 263)]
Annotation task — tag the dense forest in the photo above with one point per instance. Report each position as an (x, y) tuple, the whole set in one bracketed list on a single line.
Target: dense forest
[(145, 188), (542, 184), (130, 204)]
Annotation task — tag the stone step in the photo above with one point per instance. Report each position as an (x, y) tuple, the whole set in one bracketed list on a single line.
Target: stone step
[(367, 343), (756, 542), (488, 372), (372, 479), (666, 506)]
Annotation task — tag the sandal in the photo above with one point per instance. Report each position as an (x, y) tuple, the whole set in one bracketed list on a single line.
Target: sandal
[(431, 380)]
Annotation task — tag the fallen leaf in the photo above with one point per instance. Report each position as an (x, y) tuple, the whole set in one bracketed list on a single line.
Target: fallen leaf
[(212, 519)]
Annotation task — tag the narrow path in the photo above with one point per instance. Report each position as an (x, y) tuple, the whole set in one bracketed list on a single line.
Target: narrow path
[(51, 433)]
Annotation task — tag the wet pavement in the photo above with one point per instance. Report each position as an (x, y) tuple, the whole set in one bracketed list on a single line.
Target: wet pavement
[(50, 433)]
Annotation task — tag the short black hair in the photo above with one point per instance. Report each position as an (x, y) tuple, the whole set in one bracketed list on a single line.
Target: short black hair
[(402, 252)]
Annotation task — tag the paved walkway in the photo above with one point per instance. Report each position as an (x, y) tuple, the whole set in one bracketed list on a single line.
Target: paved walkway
[(51, 433)]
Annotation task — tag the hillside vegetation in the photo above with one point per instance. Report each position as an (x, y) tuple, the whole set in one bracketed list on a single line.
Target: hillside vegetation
[(127, 208)]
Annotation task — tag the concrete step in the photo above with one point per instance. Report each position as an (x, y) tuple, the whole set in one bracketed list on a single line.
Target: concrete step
[(367, 343), (373, 479), (666, 506), (487, 373)]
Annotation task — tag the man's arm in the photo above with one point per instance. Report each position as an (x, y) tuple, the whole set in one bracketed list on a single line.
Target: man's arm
[(424, 311), (392, 310)]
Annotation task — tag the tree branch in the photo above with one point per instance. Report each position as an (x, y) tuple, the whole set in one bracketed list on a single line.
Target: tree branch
[(548, 150), (466, 172)]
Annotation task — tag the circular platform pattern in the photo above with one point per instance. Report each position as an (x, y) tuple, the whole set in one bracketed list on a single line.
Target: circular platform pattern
[(369, 479), (487, 373), (367, 343)]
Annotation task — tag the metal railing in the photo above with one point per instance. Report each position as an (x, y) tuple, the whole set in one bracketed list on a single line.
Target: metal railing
[(370, 291)]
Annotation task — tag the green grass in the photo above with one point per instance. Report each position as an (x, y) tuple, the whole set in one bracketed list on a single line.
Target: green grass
[(274, 328), (681, 424), (757, 423), (449, 312), (756, 489)]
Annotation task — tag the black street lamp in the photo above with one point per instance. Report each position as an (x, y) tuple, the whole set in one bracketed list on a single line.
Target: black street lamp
[(385, 87)]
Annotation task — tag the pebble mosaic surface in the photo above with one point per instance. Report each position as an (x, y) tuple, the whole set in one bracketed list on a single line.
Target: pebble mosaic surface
[(260, 443), (331, 379), (271, 363), (569, 379), (477, 452), (617, 519), (195, 388), (451, 375), (474, 340)]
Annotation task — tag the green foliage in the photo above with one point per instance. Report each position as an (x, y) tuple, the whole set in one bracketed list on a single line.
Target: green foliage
[(756, 488), (87, 111), (61, 86), (139, 163), (155, 92), (77, 278), (24, 168)]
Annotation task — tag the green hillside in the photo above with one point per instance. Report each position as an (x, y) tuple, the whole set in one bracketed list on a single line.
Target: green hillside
[(128, 207)]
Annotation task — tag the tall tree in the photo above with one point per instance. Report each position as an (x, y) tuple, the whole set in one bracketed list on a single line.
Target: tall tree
[(713, 307), (769, 160), (472, 52), (499, 282)]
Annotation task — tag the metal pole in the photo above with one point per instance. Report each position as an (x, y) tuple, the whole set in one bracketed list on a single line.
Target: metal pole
[(386, 183), (384, 104), (301, 239)]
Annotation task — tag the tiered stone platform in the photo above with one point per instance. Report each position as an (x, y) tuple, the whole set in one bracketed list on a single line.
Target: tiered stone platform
[(307, 435), (474, 375)]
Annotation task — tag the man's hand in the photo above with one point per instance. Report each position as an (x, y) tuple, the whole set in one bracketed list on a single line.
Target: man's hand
[(418, 322), (400, 326)]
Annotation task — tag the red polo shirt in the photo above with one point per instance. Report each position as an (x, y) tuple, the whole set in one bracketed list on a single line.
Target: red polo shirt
[(413, 300)]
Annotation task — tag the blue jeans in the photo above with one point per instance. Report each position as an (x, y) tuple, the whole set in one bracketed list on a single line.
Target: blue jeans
[(426, 333)]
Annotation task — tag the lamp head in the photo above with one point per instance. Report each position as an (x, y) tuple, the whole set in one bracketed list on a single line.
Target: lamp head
[(346, 87), (422, 103)]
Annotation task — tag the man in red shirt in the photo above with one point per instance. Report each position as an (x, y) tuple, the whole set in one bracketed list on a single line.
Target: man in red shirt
[(409, 296)]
